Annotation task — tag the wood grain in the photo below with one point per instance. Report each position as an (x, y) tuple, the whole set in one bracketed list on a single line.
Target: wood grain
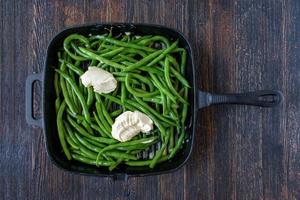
[(240, 152)]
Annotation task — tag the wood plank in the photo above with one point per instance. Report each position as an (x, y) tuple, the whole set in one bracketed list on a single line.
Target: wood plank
[(291, 80), (239, 152)]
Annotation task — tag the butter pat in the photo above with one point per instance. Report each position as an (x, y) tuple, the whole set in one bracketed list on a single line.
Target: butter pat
[(101, 80), (129, 124)]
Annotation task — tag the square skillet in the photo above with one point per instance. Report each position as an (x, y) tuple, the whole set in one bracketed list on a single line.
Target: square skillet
[(197, 99), (48, 121)]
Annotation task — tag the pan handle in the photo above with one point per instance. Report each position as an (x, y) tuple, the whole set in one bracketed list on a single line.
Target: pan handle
[(30, 119), (263, 98)]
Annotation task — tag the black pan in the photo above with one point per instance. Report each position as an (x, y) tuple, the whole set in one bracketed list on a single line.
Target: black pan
[(197, 98)]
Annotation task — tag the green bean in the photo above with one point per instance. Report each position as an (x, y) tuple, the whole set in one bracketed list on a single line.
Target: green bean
[(70, 133), (57, 104), (173, 62), (161, 88), (92, 55), (171, 142), (90, 98), (136, 147), (87, 127), (116, 112), (61, 130), (73, 68), (71, 97), (65, 91), (104, 131), (78, 93), (120, 154), (69, 39), (178, 144), (123, 94), (118, 101), (151, 80), (98, 129), (74, 97), (56, 84), (144, 80), (144, 61), (102, 117), (135, 51), (134, 92), (155, 38), (185, 108), (129, 45), (86, 134), (113, 166), (159, 116), (152, 69), (163, 54), (151, 116), (164, 101), (126, 57), (129, 143), (183, 62), (178, 50), (168, 81), (156, 100), (141, 38), (106, 114), (112, 53), (180, 77), (90, 161), (122, 79), (71, 143), (93, 142), (159, 152)]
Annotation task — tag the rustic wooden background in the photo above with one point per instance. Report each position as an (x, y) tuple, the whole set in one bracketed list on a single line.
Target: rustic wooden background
[(240, 152)]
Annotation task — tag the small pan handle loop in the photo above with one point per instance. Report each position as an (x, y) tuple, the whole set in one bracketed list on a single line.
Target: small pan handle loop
[(263, 98), (30, 119)]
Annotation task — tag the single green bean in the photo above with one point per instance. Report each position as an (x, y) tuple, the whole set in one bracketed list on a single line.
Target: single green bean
[(90, 98), (183, 62), (116, 112), (57, 104), (123, 94), (61, 130)]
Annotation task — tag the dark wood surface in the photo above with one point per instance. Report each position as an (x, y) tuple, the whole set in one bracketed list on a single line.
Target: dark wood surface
[(240, 152)]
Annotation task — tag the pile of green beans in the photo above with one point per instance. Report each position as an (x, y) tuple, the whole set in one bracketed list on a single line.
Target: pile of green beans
[(150, 71)]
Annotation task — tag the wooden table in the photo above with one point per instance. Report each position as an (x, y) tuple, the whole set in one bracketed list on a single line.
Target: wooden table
[(240, 152)]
